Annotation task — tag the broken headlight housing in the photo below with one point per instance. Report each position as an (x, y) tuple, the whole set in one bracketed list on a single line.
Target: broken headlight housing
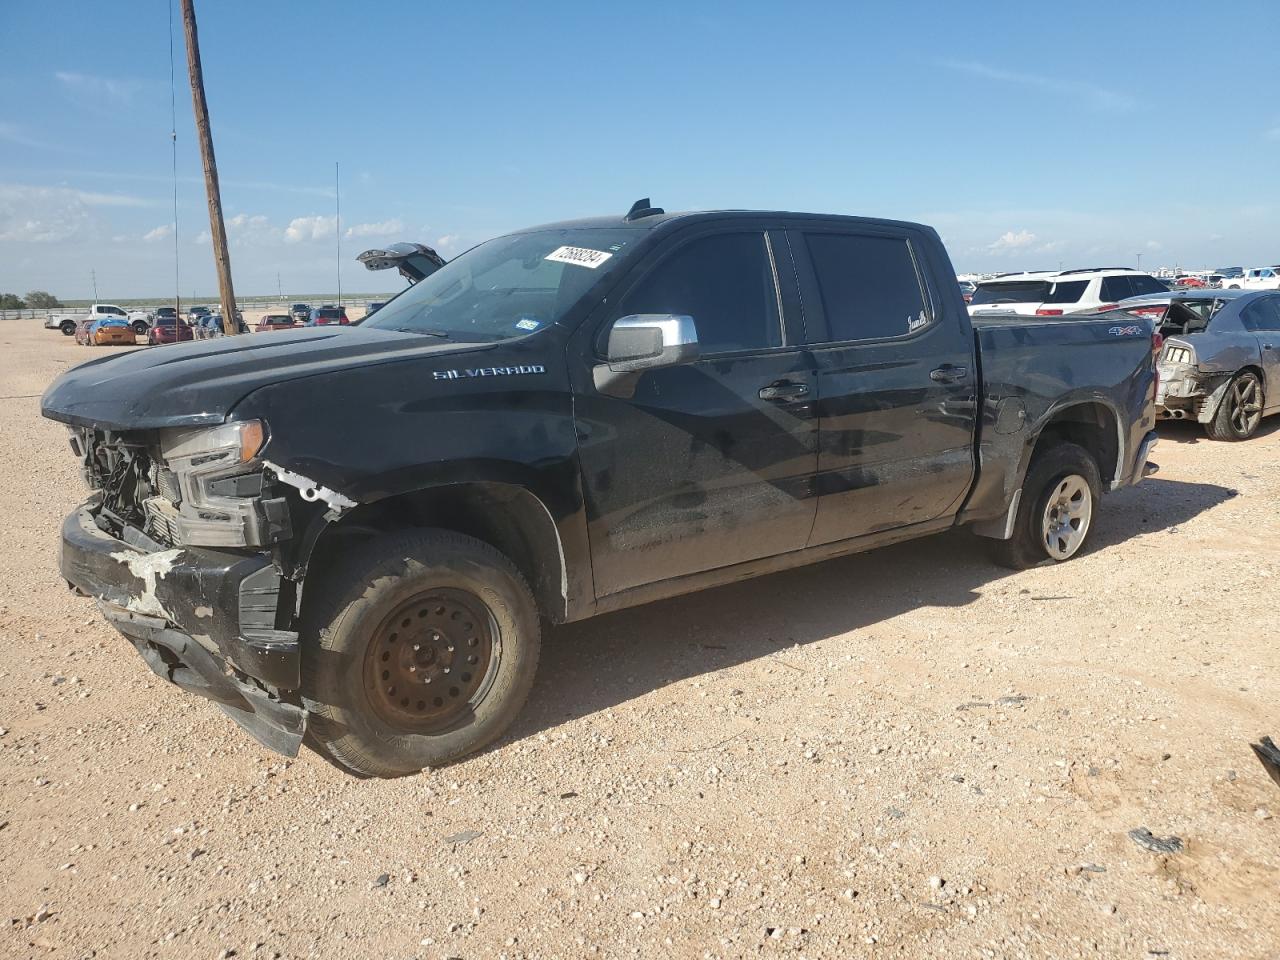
[(208, 484)]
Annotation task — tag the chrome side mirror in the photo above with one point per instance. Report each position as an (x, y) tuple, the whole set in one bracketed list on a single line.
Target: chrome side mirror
[(644, 341)]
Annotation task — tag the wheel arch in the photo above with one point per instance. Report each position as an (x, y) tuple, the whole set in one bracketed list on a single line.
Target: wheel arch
[(509, 517), (1092, 424)]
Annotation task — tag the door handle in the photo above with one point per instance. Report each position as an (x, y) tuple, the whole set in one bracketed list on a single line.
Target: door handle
[(784, 390), (948, 373)]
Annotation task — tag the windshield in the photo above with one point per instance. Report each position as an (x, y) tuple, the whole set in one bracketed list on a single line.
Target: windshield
[(510, 286), (1021, 291)]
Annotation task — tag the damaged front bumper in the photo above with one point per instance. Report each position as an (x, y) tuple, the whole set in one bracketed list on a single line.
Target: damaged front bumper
[(202, 619)]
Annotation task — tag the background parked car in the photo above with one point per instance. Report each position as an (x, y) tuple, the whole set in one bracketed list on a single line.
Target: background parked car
[(140, 320), (966, 289), (300, 312), (276, 321), (325, 316), (373, 305), (197, 314), (106, 331), (1257, 278), (1220, 363), (169, 329), (1055, 294)]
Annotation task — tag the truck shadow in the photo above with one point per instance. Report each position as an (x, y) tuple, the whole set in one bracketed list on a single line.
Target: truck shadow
[(600, 663)]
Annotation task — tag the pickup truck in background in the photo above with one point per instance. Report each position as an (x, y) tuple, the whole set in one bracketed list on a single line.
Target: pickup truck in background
[(67, 322), (351, 535), (1255, 278)]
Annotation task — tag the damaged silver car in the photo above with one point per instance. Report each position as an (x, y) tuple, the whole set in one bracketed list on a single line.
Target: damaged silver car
[(1220, 364)]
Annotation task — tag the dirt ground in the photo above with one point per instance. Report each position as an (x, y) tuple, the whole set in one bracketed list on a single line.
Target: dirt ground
[(907, 753)]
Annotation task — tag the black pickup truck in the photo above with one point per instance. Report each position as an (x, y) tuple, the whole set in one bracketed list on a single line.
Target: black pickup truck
[(352, 535)]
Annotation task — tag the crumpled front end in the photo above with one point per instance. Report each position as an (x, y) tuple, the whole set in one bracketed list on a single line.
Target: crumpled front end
[(181, 545)]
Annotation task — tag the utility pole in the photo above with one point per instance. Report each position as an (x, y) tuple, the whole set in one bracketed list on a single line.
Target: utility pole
[(94, 276), (1139, 256), (279, 289), (337, 226), (221, 255)]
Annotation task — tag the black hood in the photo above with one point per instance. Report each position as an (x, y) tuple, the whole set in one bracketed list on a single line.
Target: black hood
[(197, 383)]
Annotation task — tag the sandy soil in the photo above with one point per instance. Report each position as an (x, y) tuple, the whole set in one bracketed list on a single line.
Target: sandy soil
[(909, 753)]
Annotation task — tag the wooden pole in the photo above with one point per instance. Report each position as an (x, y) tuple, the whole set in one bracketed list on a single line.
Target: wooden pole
[(218, 230)]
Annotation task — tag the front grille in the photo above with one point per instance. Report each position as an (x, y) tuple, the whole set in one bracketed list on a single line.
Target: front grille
[(167, 485), (161, 525)]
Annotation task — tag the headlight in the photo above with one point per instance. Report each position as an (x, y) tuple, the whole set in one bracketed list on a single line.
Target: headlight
[(209, 485), (228, 443)]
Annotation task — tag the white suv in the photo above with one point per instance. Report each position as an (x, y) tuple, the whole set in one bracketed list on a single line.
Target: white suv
[(1053, 294)]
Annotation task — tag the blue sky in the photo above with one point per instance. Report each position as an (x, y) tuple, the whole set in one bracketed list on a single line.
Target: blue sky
[(1027, 133)]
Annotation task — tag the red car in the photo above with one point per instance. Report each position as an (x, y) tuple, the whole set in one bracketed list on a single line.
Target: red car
[(1188, 282), (169, 330), (275, 321)]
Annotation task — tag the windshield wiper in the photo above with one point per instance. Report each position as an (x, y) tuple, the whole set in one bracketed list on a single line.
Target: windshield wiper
[(442, 334)]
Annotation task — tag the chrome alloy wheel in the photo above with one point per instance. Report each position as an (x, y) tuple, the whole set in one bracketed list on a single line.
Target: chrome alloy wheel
[(1067, 515)]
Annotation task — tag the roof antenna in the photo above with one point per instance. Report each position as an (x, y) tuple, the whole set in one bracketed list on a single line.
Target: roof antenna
[(643, 208)]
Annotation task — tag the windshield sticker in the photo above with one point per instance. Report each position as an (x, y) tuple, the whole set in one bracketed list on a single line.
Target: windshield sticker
[(581, 256), (527, 323)]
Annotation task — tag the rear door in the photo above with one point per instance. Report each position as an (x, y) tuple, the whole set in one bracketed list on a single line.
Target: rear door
[(896, 375), (709, 463), (1262, 318)]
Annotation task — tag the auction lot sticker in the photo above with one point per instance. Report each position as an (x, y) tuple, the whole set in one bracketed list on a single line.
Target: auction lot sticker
[(582, 256)]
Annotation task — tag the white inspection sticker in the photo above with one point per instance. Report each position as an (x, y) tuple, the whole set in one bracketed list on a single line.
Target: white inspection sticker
[(582, 256)]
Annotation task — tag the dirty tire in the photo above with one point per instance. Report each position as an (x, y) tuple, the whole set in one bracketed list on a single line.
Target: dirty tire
[(451, 591), (1050, 469), (68, 329), (1240, 410)]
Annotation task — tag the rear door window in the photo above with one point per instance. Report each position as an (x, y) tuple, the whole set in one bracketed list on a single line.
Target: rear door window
[(1115, 289), (1067, 291), (870, 286), (1262, 314), (1018, 291), (1144, 285)]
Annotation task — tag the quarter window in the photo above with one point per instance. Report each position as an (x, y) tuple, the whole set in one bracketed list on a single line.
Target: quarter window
[(725, 282), (869, 285), (1115, 289)]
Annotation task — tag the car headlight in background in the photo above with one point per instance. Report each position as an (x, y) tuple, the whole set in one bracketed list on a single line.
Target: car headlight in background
[(208, 484)]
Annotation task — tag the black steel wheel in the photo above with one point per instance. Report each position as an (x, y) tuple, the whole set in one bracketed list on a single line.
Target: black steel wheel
[(419, 648)]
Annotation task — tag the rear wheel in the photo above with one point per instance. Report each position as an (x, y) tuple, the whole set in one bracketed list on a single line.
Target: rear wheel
[(423, 648), (68, 329), (1240, 410), (1055, 513)]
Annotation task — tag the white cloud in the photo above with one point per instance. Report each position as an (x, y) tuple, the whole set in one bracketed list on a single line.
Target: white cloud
[(1154, 245), (1012, 241), (384, 229), (12, 133), (303, 229), (114, 90), (1091, 95), (156, 234), (447, 246), (113, 199), (42, 214)]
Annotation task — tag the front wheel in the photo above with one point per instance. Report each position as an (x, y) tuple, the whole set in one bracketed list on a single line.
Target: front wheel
[(1240, 410), (421, 649), (68, 329), (1055, 513)]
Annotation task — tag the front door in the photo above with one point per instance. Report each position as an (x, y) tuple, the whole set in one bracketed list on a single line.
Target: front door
[(897, 381), (1262, 317), (708, 463)]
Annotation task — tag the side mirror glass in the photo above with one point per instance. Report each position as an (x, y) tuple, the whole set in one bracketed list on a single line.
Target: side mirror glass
[(645, 340)]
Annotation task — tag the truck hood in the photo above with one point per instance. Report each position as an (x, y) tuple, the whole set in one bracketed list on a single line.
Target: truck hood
[(198, 383)]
